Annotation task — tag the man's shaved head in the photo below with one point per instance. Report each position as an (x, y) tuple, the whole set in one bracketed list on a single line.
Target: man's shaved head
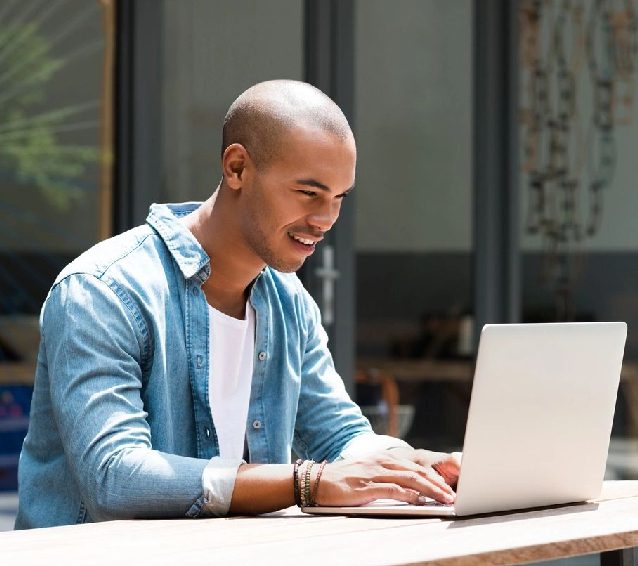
[(260, 117)]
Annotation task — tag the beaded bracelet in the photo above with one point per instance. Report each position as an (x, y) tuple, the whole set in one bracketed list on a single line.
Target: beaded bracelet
[(316, 486), (300, 482), (306, 492), (295, 482), (307, 483)]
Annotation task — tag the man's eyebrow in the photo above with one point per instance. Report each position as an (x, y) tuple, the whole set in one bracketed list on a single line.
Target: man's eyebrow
[(318, 185), (313, 183)]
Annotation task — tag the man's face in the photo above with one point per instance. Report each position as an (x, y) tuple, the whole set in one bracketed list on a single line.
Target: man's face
[(290, 204)]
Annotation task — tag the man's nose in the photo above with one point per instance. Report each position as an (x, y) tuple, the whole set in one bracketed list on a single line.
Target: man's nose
[(324, 219)]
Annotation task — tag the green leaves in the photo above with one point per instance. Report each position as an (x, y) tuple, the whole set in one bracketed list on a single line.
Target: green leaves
[(34, 141)]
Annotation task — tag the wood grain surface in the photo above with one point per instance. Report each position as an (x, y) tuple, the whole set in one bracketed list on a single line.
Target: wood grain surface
[(289, 537)]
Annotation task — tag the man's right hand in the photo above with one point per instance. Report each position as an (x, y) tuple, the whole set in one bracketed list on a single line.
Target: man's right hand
[(385, 475)]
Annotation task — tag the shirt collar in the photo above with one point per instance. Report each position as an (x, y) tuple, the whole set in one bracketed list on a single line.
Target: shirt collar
[(183, 246)]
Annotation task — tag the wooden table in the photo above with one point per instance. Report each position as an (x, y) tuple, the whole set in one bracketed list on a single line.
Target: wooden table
[(606, 526)]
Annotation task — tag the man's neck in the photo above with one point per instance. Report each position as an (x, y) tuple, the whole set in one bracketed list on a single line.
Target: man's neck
[(232, 273), (229, 303)]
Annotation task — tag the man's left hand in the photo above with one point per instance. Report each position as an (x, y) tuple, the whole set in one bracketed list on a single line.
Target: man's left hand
[(447, 466)]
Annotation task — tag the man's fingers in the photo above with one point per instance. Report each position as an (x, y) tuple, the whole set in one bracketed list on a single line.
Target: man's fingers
[(421, 483), (391, 491), (430, 473), (449, 476), (435, 477)]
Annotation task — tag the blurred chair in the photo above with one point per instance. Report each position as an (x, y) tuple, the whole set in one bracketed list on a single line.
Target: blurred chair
[(377, 394)]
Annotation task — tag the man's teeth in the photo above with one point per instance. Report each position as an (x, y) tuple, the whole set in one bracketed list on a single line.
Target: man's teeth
[(302, 240)]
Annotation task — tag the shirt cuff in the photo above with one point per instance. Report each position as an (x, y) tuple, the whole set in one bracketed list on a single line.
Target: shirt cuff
[(218, 482), (369, 443)]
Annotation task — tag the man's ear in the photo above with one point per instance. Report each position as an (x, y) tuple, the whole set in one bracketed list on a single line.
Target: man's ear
[(234, 163)]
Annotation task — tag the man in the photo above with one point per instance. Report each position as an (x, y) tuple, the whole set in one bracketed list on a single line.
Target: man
[(175, 353)]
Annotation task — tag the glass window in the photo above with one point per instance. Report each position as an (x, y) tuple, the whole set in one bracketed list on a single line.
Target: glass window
[(413, 101), (56, 103), (579, 134), (205, 67)]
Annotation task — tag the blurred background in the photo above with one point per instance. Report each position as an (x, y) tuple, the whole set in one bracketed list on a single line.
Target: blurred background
[(496, 179)]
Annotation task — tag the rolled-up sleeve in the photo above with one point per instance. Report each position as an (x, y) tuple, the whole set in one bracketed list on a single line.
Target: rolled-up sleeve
[(218, 483)]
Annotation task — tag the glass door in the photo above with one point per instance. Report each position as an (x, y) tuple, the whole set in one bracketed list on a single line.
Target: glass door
[(413, 237), (579, 132), (205, 67)]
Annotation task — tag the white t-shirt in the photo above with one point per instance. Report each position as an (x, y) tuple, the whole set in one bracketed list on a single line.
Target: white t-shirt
[(231, 351)]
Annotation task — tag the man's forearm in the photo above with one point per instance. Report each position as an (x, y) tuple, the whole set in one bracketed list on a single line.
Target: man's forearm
[(261, 488)]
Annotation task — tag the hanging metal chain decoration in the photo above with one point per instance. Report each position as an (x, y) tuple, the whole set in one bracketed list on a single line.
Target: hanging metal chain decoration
[(577, 84)]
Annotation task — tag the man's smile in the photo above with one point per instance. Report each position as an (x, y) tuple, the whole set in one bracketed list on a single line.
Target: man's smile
[(304, 244), (306, 240)]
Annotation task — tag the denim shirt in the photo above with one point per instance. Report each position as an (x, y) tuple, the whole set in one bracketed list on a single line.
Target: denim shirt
[(121, 425)]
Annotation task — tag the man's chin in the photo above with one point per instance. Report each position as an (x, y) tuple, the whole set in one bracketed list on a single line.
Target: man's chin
[(286, 267)]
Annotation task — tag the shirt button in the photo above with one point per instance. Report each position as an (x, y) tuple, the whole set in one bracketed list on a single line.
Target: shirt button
[(257, 424), (262, 356), (200, 361), (194, 290), (207, 432)]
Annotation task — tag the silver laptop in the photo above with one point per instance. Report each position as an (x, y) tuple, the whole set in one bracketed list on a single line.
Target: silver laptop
[(539, 422)]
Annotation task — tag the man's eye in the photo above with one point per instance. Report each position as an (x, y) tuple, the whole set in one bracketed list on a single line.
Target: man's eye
[(308, 193)]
